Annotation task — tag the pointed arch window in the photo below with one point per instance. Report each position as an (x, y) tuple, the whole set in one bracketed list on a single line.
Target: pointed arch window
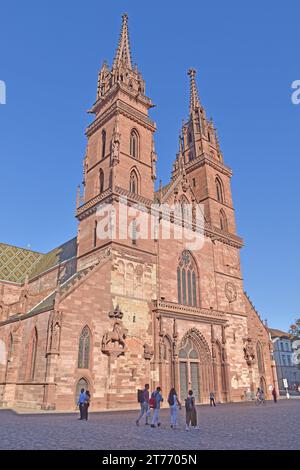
[(186, 212), (10, 348), (101, 181), (187, 280), (223, 221), (33, 355), (133, 184), (219, 190), (103, 151), (134, 144), (95, 234), (84, 349)]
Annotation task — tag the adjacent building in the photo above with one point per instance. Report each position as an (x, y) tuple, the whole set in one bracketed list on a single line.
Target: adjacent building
[(283, 356)]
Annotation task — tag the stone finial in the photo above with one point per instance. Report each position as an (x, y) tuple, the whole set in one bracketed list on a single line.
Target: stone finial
[(116, 313), (194, 96), (123, 55)]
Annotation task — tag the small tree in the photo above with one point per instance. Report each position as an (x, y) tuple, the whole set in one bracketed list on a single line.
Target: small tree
[(295, 329), (295, 333)]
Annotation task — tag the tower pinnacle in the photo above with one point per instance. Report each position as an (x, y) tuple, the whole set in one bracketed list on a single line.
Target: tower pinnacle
[(123, 55), (194, 97)]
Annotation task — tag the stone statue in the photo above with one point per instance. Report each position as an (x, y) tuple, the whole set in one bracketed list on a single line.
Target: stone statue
[(113, 342), (115, 151), (148, 352), (249, 353), (55, 337)]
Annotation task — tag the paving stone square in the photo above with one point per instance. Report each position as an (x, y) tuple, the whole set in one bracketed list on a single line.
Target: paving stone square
[(231, 426)]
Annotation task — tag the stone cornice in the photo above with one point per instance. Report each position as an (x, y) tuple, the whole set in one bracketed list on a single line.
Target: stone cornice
[(91, 206), (172, 308), (218, 234), (122, 108), (135, 198), (205, 159), (102, 100)]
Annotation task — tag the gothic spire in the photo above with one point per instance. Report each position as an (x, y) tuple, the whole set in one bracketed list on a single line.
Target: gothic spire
[(194, 97), (123, 55)]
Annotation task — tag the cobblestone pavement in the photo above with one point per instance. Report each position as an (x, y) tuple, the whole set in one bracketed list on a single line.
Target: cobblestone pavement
[(232, 426)]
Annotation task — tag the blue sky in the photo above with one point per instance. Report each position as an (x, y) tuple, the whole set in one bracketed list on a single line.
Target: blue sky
[(246, 55)]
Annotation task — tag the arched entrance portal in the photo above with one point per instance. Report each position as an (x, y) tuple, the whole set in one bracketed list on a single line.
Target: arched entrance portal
[(82, 383), (263, 386), (195, 371)]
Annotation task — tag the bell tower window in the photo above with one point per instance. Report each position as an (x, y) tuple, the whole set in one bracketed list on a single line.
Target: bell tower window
[(134, 144), (133, 184), (103, 144)]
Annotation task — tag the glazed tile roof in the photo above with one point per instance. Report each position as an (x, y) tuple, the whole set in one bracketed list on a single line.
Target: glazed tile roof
[(60, 254), (16, 262)]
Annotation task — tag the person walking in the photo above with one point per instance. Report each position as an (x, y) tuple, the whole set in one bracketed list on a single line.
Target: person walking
[(212, 399), (87, 402), (191, 412), (80, 403), (274, 393), (157, 399), (175, 405), (145, 408)]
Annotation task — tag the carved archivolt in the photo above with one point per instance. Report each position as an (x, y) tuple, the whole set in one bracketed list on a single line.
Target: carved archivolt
[(198, 338)]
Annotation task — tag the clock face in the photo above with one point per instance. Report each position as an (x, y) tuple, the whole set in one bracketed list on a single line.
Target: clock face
[(230, 291)]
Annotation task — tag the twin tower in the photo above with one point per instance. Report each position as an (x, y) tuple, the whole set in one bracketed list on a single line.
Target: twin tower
[(121, 157)]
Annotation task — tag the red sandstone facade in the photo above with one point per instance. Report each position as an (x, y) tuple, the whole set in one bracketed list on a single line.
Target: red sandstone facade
[(112, 314)]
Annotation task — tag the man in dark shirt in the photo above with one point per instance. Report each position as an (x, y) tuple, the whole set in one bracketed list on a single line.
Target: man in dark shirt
[(212, 399), (144, 406)]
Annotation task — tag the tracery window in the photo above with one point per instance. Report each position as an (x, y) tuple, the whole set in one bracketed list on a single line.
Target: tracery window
[(103, 151), (223, 221), (133, 184), (219, 190), (84, 348), (187, 280), (134, 144)]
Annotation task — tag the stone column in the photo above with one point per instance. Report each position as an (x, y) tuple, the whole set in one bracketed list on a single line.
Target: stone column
[(214, 363), (226, 366), (175, 356)]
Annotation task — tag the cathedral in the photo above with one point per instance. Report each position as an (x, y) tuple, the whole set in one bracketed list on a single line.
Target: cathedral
[(111, 313)]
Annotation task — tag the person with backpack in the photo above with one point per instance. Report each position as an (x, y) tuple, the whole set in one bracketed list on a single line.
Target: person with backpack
[(175, 405), (191, 412), (143, 399), (212, 400), (155, 401)]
